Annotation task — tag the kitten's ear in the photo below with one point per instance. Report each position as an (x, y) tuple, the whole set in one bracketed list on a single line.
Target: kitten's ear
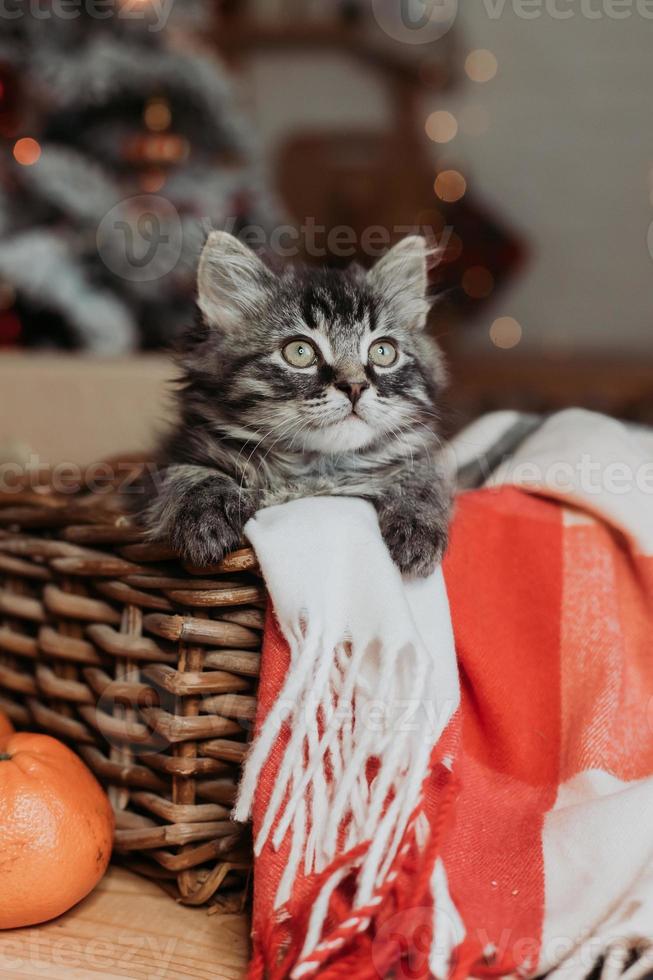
[(231, 281), (402, 277)]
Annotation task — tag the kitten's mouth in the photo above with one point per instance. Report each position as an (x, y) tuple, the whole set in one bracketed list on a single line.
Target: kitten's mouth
[(348, 432), (352, 419)]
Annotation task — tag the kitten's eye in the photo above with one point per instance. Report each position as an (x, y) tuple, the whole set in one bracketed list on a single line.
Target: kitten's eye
[(299, 353), (383, 353)]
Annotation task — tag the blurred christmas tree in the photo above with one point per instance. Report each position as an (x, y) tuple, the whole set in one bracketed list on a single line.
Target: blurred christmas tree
[(124, 144)]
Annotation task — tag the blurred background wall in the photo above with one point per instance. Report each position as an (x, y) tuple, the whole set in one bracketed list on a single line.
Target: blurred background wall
[(568, 155), (565, 152)]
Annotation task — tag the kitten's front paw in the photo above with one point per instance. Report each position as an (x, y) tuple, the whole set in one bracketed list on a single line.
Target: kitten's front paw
[(415, 547), (205, 530)]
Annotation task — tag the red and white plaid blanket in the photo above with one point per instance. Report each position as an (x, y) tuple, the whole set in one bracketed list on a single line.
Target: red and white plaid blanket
[(527, 842)]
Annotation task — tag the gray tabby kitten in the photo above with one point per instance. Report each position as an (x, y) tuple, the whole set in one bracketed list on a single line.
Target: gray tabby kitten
[(305, 384)]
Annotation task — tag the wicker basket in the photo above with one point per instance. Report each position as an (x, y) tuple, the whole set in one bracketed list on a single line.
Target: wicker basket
[(146, 667)]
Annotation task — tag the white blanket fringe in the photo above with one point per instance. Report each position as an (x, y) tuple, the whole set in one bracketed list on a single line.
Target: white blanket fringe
[(372, 676)]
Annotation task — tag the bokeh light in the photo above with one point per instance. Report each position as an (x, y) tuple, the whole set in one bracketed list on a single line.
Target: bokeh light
[(26, 151), (474, 120), (450, 186), (157, 115), (505, 332), (481, 65), (441, 126), (478, 282)]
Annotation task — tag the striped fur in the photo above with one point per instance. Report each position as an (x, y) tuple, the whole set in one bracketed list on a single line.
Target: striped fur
[(255, 431)]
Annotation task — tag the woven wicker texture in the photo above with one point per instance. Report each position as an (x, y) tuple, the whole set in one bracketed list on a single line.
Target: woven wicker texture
[(146, 667)]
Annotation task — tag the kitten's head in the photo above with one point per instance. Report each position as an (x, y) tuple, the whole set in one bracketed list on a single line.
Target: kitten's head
[(319, 361)]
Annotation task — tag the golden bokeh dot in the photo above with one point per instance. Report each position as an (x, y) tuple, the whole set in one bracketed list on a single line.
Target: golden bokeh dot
[(157, 115), (478, 282), (481, 65), (26, 151), (505, 332), (450, 186), (441, 126), (474, 120)]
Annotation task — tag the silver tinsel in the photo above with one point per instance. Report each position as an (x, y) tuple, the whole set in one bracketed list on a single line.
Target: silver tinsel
[(49, 277), (71, 222)]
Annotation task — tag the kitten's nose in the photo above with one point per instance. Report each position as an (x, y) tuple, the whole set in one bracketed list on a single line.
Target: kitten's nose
[(352, 389)]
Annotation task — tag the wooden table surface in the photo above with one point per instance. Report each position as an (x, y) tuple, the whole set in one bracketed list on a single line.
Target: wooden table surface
[(128, 927)]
